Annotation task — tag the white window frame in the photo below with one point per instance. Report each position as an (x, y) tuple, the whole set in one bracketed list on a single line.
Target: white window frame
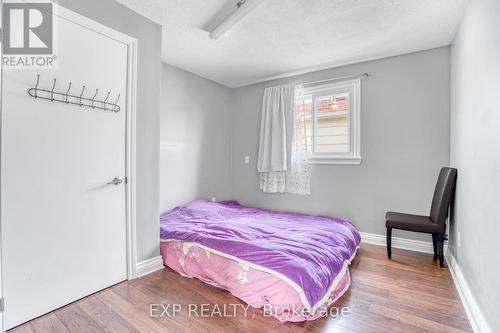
[(353, 88)]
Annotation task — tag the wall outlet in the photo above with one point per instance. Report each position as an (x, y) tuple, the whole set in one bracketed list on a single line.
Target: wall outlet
[(247, 159), (459, 239), (214, 199)]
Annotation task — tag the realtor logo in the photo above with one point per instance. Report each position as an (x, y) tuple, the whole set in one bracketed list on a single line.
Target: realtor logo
[(28, 35), (28, 28)]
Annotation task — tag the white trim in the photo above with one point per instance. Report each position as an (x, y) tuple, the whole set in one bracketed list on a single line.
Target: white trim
[(474, 313), (131, 43), (95, 26), (353, 88), (280, 276), (131, 159), (400, 243), (1, 121), (149, 266), (334, 160)]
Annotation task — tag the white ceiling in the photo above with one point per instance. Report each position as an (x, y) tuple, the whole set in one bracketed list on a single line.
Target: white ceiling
[(286, 37)]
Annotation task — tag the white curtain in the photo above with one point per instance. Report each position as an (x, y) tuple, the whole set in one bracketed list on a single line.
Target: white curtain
[(282, 161)]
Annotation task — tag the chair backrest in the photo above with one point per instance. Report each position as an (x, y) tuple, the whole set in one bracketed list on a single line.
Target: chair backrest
[(443, 194)]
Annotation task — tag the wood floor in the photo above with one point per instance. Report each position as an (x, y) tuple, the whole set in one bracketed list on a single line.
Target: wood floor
[(408, 294)]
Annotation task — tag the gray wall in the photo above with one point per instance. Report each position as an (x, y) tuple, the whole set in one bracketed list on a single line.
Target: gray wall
[(475, 147), (195, 134), (148, 34), (405, 141)]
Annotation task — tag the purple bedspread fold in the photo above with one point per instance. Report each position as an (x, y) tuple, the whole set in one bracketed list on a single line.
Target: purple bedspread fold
[(309, 250)]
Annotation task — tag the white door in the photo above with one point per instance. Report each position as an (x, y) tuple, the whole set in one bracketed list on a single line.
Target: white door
[(63, 227)]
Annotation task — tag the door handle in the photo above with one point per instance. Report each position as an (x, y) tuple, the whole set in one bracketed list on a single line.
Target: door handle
[(115, 181)]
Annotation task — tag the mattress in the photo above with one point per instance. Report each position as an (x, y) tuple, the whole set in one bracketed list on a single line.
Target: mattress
[(292, 265)]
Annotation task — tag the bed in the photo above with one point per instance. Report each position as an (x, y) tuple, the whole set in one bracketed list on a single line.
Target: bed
[(293, 266)]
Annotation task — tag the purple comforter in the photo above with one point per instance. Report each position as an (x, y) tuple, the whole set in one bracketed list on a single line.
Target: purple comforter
[(309, 250)]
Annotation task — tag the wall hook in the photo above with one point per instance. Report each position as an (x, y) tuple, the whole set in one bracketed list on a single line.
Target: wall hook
[(36, 85), (104, 103), (81, 94), (116, 103), (96, 91), (52, 91), (67, 92), (68, 98)]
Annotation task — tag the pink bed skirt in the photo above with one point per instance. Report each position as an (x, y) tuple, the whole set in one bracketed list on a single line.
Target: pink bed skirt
[(256, 287)]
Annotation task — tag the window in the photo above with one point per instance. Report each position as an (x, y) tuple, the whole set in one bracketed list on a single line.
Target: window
[(333, 123)]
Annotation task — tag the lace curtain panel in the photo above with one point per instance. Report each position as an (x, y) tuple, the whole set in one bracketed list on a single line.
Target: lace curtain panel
[(282, 161)]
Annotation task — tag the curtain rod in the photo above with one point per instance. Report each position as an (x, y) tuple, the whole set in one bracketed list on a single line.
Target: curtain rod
[(341, 78)]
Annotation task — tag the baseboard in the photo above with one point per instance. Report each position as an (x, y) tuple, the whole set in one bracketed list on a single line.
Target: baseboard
[(149, 266), (400, 243), (474, 313)]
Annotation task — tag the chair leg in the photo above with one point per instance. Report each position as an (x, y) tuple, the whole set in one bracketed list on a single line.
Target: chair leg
[(440, 244), (389, 238), (434, 243)]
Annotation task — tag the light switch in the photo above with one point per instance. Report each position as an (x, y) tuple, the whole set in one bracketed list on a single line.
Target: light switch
[(247, 159)]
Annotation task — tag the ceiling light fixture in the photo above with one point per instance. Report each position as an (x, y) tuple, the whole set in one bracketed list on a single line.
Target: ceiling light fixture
[(243, 8)]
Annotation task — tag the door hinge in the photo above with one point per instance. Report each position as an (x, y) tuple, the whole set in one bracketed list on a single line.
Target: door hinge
[(125, 179), (1, 304)]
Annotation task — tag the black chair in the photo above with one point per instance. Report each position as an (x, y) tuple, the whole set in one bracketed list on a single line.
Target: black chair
[(434, 224)]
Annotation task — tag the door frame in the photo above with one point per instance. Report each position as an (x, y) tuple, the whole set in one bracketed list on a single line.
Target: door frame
[(130, 129)]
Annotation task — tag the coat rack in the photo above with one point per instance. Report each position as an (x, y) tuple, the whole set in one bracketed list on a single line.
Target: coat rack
[(68, 98)]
